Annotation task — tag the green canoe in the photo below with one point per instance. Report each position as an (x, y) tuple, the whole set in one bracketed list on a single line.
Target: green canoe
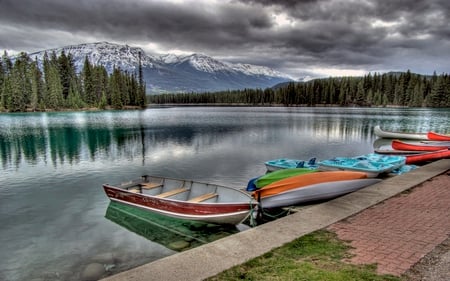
[(281, 174)]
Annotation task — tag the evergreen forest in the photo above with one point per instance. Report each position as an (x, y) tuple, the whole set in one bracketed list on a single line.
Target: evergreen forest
[(55, 85), (390, 89)]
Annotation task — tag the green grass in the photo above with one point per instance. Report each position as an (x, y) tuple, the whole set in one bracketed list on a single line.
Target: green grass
[(314, 257)]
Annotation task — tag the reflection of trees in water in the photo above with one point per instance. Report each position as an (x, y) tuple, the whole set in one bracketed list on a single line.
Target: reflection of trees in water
[(72, 144), (67, 141)]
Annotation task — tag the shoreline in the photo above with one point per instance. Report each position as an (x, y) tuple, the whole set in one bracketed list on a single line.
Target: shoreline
[(234, 250)]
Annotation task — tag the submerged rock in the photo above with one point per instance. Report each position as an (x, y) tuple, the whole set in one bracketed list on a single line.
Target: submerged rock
[(93, 271), (179, 245)]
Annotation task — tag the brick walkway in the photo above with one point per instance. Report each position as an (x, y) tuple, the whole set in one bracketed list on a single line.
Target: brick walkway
[(398, 232)]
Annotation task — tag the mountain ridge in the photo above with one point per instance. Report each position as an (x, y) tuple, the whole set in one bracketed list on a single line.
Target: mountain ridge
[(170, 72)]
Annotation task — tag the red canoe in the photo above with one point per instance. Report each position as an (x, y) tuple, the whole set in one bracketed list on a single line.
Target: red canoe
[(400, 145), (427, 156), (438, 137)]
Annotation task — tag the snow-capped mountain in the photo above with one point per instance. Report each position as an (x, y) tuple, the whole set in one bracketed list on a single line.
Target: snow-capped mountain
[(172, 73)]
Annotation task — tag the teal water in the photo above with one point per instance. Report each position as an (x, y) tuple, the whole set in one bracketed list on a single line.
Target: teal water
[(52, 166)]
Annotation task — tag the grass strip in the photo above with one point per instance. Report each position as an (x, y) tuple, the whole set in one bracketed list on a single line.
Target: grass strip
[(313, 257)]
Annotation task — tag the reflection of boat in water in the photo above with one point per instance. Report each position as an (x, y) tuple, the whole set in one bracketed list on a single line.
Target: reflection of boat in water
[(175, 234)]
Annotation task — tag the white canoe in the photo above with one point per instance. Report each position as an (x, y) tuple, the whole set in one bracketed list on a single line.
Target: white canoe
[(399, 135), (315, 192)]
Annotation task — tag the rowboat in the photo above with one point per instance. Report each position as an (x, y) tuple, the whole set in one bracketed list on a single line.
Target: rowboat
[(437, 137), (399, 135), (311, 187), (400, 145), (287, 163), (372, 164), (172, 233), (277, 175), (427, 156), (184, 199)]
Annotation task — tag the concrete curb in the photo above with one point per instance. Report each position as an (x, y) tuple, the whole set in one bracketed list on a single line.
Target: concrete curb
[(210, 259)]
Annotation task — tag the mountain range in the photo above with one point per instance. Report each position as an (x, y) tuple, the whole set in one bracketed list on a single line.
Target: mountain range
[(170, 72)]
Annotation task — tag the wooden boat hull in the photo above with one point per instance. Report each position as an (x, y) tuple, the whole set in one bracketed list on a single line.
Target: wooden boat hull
[(315, 192), (371, 164), (400, 145), (230, 206), (305, 180), (427, 156), (438, 137), (399, 135)]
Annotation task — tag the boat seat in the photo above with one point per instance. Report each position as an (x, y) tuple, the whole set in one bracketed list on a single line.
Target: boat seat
[(203, 197), (171, 192), (134, 190), (150, 185)]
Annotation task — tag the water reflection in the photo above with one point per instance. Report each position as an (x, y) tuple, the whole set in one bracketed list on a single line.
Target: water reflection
[(73, 137), (52, 206), (175, 234)]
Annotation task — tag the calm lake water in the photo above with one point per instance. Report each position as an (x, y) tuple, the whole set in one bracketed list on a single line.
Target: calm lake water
[(52, 205)]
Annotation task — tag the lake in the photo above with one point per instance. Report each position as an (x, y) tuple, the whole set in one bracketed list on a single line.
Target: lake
[(52, 205)]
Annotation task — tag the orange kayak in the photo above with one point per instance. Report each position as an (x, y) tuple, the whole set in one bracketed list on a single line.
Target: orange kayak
[(306, 180)]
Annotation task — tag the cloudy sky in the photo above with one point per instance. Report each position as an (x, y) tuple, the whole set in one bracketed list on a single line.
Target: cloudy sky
[(313, 38)]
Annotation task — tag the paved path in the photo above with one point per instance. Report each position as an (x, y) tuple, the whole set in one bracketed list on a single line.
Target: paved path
[(398, 232)]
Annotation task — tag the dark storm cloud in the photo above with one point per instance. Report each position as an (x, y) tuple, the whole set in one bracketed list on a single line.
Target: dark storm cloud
[(292, 36), (139, 20)]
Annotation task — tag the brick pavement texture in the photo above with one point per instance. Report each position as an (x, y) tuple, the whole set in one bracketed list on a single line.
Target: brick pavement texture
[(398, 232)]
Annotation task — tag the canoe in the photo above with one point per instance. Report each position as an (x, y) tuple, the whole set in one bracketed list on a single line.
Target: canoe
[(315, 192), (399, 135), (164, 230), (397, 152), (427, 156), (437, 137), (373, 164), (400, 145), (287, 163), (305, 180), (184, 199), (277, 175)]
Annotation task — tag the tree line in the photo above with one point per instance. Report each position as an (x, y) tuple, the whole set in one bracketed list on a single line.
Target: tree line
[(55, 85), (389, 89)]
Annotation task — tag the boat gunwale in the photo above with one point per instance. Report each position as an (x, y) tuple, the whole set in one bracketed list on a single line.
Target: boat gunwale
[(187, 202)]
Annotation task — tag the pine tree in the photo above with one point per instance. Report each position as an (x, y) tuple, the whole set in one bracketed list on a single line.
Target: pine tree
[(88, 83), (36, 86), (142, 97)]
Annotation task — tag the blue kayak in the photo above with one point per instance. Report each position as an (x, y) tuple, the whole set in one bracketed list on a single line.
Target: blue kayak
[(287, 163), (373, 164)]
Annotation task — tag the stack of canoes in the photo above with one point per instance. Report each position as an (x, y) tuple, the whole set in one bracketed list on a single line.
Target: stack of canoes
[(425, 147), (309, 187)]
